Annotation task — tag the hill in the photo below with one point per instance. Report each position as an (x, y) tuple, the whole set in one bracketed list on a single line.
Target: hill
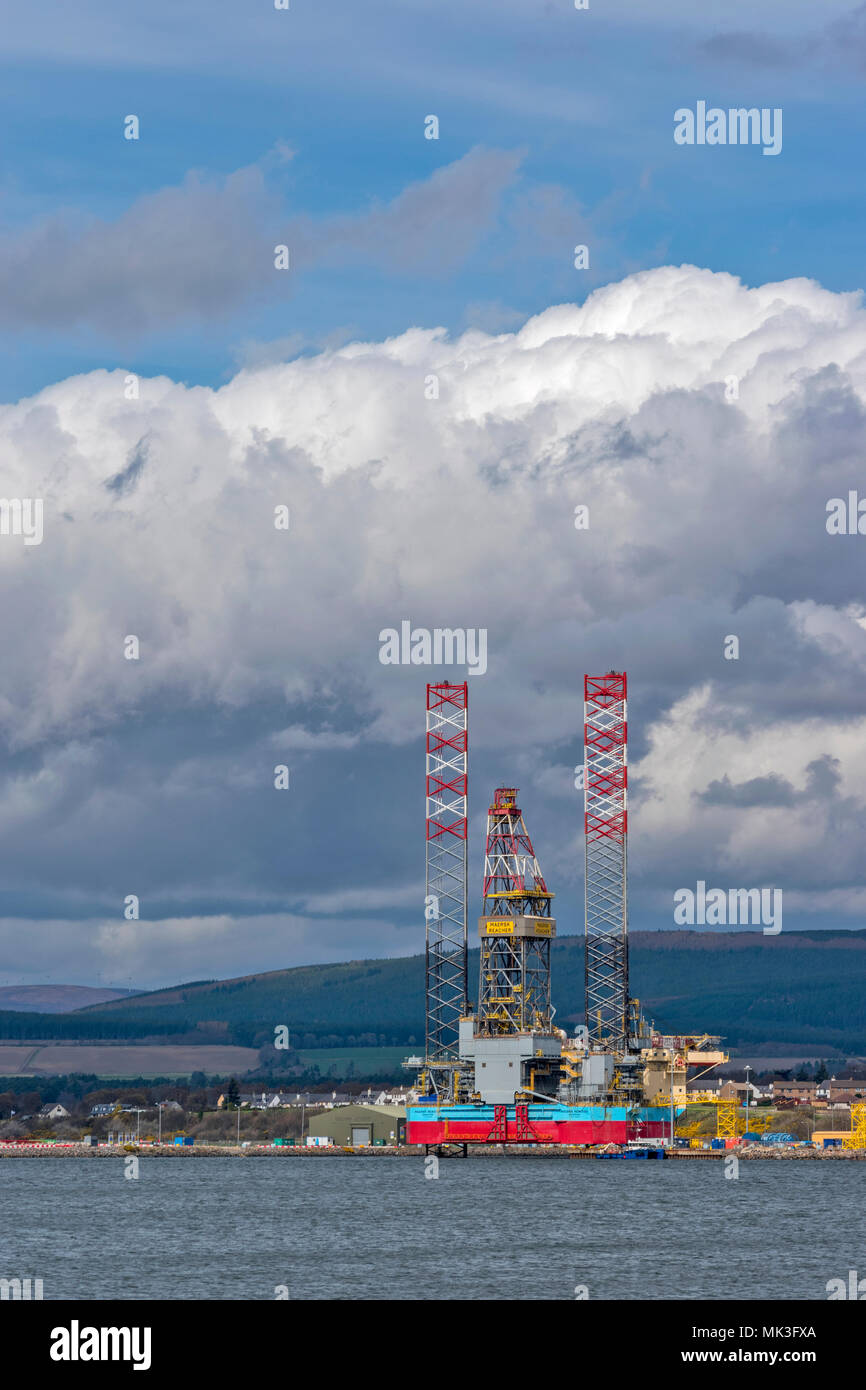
[(56, 999), (800, 991)]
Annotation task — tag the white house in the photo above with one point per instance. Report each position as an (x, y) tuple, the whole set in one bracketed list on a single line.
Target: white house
[(54, 1112)]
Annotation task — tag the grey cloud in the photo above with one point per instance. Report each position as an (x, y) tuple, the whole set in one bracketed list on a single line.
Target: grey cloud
[(202, 249), (197, 249), (124, 482), (823, 777), (754, 49), (846, 38), (758, 791), (840, 43), (430, 227)]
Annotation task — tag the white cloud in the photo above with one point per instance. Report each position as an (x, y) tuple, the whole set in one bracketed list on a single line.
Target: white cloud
[(707, 519), (450, 511), (147, 955), (808, 841)]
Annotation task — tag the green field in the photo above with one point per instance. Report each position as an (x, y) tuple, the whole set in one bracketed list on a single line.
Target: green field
[(367, 1061), (152, 1060)]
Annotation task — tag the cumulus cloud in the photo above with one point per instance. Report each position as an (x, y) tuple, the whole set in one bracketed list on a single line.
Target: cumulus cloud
[(773, 813), (703, 423)]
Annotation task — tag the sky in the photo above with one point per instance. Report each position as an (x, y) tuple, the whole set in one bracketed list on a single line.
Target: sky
[(430, 388)]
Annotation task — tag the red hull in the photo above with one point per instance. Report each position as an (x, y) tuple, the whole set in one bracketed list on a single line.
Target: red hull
[(542, 1132)]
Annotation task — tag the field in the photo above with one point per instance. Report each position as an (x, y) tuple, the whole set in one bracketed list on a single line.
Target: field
[(175, 1059), (367, 1061), (137, 1060)]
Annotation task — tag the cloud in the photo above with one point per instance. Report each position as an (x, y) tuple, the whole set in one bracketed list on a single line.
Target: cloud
[(260, 646), (822, 780), (124, 482), (430, 227), (757, 791), (751, 49), (777, 814), (204, 248), (839, 43), (134, 954), (240, 40)]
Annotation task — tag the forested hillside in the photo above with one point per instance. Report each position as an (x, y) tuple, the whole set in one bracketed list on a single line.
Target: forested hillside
[(794, 989)]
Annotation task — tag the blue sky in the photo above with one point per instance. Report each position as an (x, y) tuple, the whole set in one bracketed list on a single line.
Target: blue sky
[(584, 100), (605, 386)]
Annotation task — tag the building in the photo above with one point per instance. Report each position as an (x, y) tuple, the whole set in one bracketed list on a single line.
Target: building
[(376, 1096), (100, 1111), (54, 1112), (804, 1092), (278, 1100), (837, 1091), (262, 1100), (319, 1098), (360, 1125)]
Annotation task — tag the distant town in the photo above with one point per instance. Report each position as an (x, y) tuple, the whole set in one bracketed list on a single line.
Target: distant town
[(772, 1107)]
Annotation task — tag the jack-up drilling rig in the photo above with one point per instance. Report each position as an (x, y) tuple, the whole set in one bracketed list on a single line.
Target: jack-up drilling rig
[(505, 1073)]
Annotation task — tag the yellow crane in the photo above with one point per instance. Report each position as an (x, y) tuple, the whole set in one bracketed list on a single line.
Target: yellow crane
[(857, 1138), (726, 1119)]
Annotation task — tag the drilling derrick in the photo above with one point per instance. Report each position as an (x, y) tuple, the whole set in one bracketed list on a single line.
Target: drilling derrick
[(445, 902), (606, 827), (516, 929)]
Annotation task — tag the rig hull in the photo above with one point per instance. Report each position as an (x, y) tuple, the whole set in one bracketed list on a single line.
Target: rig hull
[(534, 1124)]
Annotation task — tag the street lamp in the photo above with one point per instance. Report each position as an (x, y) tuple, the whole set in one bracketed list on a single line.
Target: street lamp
[(830, 1103), (138, 1114), (748, 1069)]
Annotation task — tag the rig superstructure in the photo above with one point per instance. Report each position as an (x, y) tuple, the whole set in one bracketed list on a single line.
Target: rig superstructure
[(605, 740), (504, 1072), (445, 902)]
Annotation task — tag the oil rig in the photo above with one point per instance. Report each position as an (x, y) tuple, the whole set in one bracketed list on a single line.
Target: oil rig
[(503, 1072)]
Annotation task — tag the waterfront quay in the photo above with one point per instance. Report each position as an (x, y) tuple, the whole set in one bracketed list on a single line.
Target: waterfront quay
[(57, 1149)]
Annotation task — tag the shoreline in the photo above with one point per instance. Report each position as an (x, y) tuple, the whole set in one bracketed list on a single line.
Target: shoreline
[(73, 1150)]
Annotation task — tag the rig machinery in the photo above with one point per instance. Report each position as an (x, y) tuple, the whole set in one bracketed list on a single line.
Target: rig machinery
[(505, 1073)]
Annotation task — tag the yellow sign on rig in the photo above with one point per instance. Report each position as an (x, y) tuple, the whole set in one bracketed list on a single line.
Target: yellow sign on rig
[(521, 925)]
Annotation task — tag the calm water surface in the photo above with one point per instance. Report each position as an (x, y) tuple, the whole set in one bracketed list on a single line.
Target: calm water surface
[(360, 1228)]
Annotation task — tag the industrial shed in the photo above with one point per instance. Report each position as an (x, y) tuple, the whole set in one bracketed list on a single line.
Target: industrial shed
[(360, 1124)]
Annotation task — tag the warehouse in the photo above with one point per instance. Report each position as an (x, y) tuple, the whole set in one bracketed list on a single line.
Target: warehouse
[(360, 1124)]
